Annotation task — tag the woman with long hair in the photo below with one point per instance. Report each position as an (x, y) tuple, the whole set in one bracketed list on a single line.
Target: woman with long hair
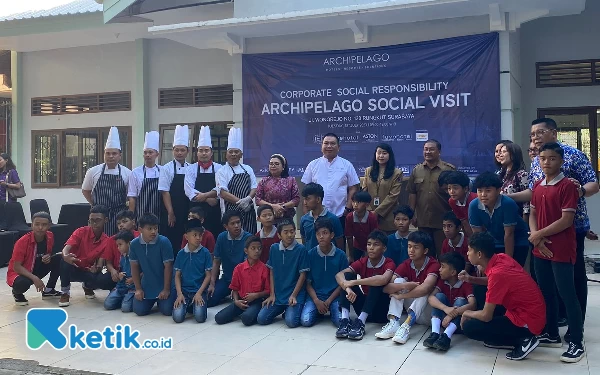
[(9, 178), (513, 173), (497, 151), (278, 189), (383, 182)]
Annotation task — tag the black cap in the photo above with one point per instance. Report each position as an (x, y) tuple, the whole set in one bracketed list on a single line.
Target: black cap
[(194, 224)]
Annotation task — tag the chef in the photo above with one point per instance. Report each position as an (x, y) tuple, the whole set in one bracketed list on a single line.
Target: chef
[(143, 193)]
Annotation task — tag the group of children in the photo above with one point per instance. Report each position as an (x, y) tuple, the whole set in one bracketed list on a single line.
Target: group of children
[(474, 283)]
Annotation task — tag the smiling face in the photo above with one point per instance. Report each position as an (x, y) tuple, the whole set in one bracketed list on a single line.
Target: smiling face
[(504, 157), (431, 153), (330, 147), (497, 151)]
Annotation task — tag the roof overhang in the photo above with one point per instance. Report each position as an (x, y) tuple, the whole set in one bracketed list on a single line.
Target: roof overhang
[(132, 10)]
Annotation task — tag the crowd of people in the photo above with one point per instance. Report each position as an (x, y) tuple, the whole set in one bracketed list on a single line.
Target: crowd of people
[(188, 240)]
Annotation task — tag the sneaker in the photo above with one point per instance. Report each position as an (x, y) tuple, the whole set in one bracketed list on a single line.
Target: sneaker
[(89, 293), (357, 331), (573, 354), (433, 337), (342, 331), (443, 343), (20, 300), (64, 300), (389, 330), (525, 347), (402, 334), (497, 345), (549, 342), (51, 294)]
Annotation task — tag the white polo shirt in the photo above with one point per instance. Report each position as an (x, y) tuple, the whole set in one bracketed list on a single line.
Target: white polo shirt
[(93, 174), (335, 177), (167, 173)]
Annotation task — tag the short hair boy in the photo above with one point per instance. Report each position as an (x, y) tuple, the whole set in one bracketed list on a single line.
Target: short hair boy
[(250, 285), (456, 240), (460, 197), (499, 215), (268, 233), (510, 286), (397, 246), (370, 303), (152, 254), (553, 207), (123, 293), (313, 200), (208, 238), (229, 252), (112, 255), (359, 224), (325, 261), (193, 267), (450, 298), (288, 265), (410, 287)]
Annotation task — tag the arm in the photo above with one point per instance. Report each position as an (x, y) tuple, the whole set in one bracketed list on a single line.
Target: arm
[(351, 190), (435, 303), (340, 277), (484, 315), (299, 284), (205, 283), (87, 194), (532, 219), (178, 283), (379, 280), (311, 292), (423, 289), (522, 196), (470, 306), (19, 269), (466, 227), (509, 240), (167, 275), (131, 204), (591, 188), (135, 275), (229, 197), (252, 193), (166, 197), (214, 275), (565, 222), (271, 299), (412, 201)]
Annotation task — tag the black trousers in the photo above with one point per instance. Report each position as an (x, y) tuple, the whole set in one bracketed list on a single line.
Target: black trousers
[(41, 270), (376, 303), (580, 275), (91, 280), (248, 316), (500, 330)]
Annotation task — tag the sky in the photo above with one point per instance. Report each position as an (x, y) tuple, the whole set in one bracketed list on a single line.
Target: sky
[(9, 7)]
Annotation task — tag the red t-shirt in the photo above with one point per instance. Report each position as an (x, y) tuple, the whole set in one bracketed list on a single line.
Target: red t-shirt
[(458, 290), (365, 269), (25, 252), (360, 228), (462, 212), (408, 271), (550, 201), (510, 286), (248, 279), (85, 246), (208, 241), (461, 248), (267, 241), (112, 254)]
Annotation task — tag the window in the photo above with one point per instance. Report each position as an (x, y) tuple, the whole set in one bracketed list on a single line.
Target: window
[(5, 110), (568, 73), (83, 103), (219, 132), (62, 157), (202, 96)]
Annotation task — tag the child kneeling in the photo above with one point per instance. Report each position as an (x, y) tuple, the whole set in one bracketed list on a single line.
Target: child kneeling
[(122, 295)]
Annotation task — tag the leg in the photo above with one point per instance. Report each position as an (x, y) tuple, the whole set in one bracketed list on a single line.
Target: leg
[(221, 291), (102, 281), (179, 312), (396, 305), (143, 307), (127, 304), (580, 275), (546, 282), (165, 306), (438, 315), (114, 300), (563, 276), (499, 330), (459, 303), (268, 314), (334, 312), (227, 314), (309, 315), (21, 285), (250, 315), (200, 312), (54, 272), (420, 306), (292, 315)]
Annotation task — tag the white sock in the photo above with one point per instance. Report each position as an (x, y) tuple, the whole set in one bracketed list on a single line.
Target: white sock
[(66, 290), (450, 330), (436, 324), (345, 313), (363, 317)]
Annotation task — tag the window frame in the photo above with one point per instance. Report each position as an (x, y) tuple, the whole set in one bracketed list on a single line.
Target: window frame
[(64, 97), (595, 80)]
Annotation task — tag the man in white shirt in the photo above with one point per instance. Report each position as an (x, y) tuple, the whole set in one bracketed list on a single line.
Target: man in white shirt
[(143, 193), (106, 184)]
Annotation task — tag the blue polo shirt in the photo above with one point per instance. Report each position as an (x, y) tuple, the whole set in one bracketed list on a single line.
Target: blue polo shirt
[(504, 214), (193, 266), (230, 251), (287, 264), (125, 267), (323, 268), (151, 258), (307, 227), (397, 248)]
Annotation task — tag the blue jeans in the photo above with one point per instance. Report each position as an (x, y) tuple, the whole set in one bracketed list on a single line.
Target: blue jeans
[(310, 313), (199, 312), (120, 299), (165, 306), (441, 315), (292, 314), (221, 291)]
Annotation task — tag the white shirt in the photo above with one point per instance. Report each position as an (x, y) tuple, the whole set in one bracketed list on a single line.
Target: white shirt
[(166, 174), (335, 177), (93, 174), (137, 178), (190, 178), (225, 174)]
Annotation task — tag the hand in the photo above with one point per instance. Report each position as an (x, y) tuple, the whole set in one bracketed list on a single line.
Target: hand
[(93, 268), (350, 295), (413, 222), (129, 281), (278, 209), (576, 182), (3, 183), (178, 301), (250, 297), (241, 304), (347, 284), (545, 251), (397, 295), (139, 295), (243, 203), (269, 301), (114, 275), (70, 259), (212, 201), (164, 294), (446, 322), (463, 319), (292, 301), (535, 237), (411, 285), (198, 300), (46, 259), (463, 276), (39, 284), (171, 219), (448, 309), (453, 314), (122, 275), (327, 304), (200, 197), (210, 290), (321, 307)]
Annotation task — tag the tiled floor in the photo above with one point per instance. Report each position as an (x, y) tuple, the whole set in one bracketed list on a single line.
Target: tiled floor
[(275, 349)]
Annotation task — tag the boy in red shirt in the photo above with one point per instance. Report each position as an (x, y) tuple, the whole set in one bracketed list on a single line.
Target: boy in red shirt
[(268, 233), (208, 239), (553, 206), (510, 286), (359, 224), (456, 240), (460, 198), (112, 255)]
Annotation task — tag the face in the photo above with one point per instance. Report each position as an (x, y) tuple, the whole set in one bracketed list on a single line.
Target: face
[(193, 215), (96, 222), (330, 147), (431, 152), (149, 232), (402, 223), (473, 257), (194, 238), (457, 192), (450, 229), (488, 195), (446, 271), (40, 225), (180, 153), (541, 134), (287, 233), (234, 155), (311, 202), (266, 217), (324, 237), (204, 154), (359, 206), (2, 162), (382, 156), (550, 162), (275, 167), (112, 156), (497, 151), (504, 157), (416, 251), (126, 224), (123, 246), (375, 248), (254, 250), (150, 155), (234, 226), (532, 151)]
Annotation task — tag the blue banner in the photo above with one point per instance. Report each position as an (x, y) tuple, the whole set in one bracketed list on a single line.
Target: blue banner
[(446, 89)]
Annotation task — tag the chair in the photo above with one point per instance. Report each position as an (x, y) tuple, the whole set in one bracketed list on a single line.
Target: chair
[(37, 205), (7, 242), (3, 221), (16, 218)]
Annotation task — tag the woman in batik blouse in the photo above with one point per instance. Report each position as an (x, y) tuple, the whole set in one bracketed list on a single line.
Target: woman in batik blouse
[(279, 190)]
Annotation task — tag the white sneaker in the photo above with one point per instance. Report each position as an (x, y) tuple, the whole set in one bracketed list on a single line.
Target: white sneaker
[(402, 334), (388, 330)]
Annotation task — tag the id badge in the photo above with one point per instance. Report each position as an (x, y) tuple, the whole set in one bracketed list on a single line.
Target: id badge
[(376, 201)]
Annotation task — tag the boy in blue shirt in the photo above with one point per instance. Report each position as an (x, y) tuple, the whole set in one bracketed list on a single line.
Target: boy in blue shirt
[(193, 267), (499, 215), (397, 246), (151, 254), (229, 251), (288, 264), (122, 295), (325, 261), (313, 199)]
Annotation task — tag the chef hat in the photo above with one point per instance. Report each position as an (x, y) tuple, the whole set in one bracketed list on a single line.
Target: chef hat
[(234, 140), (181, 136), (113, 141), (204, 140), (151, 141)]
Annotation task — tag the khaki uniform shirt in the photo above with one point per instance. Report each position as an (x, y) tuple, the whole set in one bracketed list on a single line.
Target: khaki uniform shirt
[(388, 192)]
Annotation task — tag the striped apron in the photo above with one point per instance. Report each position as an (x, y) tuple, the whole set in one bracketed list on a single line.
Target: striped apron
[(149, 198), (110, 191), (239, 185), (205, 182)]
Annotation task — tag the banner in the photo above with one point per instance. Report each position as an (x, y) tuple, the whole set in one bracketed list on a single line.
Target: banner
[(447, 89)]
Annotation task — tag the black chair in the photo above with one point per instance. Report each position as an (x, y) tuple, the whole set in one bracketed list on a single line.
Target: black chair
[(3, 221), (7, 242), (74, 215), (16, 218), (37, 205), (61, 232)]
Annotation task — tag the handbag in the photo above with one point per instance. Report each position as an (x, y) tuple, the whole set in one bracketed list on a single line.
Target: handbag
[(16, 193)]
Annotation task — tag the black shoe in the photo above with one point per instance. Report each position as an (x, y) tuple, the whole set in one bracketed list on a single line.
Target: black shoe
[(549, 342), (20, 300), (497, 345), (443, 343), (357, 331), (51, 294), (562, 322), (433, 337), (573, 354), (525, 347), (342, 331)]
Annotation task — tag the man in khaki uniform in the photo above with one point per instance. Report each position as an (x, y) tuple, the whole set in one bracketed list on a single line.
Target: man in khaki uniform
[(426, 198)]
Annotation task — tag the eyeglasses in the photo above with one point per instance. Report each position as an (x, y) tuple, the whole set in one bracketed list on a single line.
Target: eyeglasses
[(532, 150), (538, 133)]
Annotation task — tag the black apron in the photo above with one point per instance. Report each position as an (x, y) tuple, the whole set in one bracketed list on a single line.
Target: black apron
[(180, 204), (239, 185), (110, 191), (149, 200), (205, 182)]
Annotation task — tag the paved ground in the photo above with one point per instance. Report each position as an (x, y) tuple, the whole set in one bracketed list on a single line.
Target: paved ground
[(275, 349)]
